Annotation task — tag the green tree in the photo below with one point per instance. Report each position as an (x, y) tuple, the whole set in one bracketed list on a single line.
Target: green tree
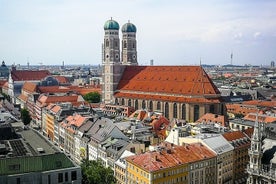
[(25, 116), (93, 172), (92, 97)]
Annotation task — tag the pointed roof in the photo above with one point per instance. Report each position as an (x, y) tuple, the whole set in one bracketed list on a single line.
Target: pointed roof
[(172, 83)]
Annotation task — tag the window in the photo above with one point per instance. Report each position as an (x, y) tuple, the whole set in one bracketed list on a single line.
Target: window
[(129, 102), (158, 106), (136, 104), (166, 110), (17, 180), (74, 175), (196, 112), (49, 179), (123, 101), (66, 176), (143, 104), (60, 177), (174, 110), (107, 43), (125, 44), (150, 105), (183, 109)]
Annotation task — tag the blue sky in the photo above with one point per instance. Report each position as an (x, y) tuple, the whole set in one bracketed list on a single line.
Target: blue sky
[(177, 32)]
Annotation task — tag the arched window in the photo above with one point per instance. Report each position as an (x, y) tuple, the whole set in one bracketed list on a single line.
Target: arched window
[(196, 112), (166, 110), (174, 110), (158, 106), (183, 111), (150, 106), (107, 43), (129, 102), (123, 101), (143, 104), (116, 101), (136, 105), (125, 44), (212, 108)]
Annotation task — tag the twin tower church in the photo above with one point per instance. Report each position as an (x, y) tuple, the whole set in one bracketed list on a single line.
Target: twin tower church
[(180, 92)]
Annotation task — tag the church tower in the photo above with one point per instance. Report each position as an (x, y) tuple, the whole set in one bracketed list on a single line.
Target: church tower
[(255, 153), (129, 47), (112, 67)]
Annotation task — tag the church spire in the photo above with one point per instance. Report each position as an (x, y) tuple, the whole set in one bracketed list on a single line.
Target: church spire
[(255, 152)]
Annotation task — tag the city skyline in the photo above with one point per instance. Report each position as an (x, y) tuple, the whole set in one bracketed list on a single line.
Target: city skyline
[(178, 33)]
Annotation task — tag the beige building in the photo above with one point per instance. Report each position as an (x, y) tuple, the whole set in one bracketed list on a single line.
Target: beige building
[(218, 144)]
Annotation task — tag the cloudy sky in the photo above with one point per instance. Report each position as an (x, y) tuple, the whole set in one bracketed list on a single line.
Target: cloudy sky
[(176, 32)]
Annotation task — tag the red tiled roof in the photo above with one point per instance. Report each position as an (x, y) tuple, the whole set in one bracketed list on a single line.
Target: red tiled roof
[(177, 80), (139, 115), (261, 118), (23, 97), (65, 89), (249, 131), (158, 160), (160, 125), (230, 136), (167, 98), (240, 109), (209, 117), (261, 103), (43, 99), (2, 82), (61, 79), (29, 87), (29, 75)]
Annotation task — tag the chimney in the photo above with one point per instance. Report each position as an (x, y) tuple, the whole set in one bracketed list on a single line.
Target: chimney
[(151, 62)]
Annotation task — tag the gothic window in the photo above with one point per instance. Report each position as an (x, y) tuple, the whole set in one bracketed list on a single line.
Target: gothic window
[(107, 43), (158, 106), (174, 110), (143, 104), (150, 106), (183, 112), (166, 110), (136, 104), (123, 101), (196, 112), (212, 108), (125, 44), (129, 102)]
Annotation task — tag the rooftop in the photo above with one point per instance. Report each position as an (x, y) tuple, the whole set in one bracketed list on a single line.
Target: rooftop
[(169, 155)]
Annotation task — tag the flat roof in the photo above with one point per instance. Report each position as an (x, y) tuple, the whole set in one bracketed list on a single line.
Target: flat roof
[(38, 144)]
